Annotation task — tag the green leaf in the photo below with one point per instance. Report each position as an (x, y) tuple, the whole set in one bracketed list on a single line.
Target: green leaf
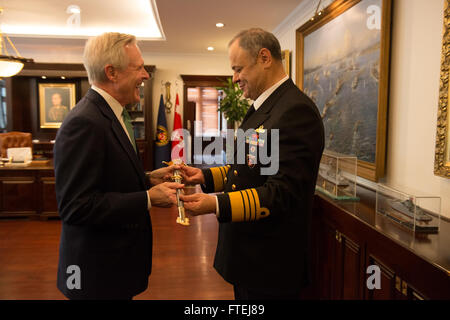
[(233, 105)]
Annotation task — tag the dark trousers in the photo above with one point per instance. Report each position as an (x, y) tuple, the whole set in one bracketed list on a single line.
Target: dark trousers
[(244, 293)]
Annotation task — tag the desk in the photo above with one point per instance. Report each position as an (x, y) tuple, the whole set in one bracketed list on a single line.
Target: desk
[(28, 191)]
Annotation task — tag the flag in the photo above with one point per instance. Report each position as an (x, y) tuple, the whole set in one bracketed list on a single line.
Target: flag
[(177, 135), (162, 146)]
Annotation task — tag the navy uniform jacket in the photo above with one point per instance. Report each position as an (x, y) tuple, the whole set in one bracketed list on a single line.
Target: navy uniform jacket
[(265, 219), (102, 201)]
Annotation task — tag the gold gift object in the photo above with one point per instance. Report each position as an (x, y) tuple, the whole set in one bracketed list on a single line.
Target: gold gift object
[(181, 219)]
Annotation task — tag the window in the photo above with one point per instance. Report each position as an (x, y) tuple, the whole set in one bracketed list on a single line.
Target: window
[(206, 110)]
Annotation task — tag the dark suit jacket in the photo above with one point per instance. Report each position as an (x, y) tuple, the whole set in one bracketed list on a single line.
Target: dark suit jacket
[(271, 252), (102, 201)]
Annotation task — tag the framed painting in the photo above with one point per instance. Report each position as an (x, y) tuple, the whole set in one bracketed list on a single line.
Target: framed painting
[(343, 66), (442, 154), (55, 102), (286, 59)]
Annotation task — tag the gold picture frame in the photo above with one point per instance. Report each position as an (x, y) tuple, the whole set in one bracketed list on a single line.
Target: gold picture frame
[(286, 58), (442, 153), (55, 102), (342, 63)]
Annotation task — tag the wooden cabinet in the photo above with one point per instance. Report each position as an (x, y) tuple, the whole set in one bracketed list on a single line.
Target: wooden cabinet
[(350, 237), (340, 261), (28, 192)]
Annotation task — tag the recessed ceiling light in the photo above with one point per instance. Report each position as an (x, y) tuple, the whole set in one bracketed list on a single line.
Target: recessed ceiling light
[(62, 77), (44, 77), (210, 48), (220, 25)]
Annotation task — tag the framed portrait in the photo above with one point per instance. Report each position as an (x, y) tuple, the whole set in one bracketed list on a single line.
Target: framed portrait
[(55, 102), (343, 66), (442, 154), (286, 58)]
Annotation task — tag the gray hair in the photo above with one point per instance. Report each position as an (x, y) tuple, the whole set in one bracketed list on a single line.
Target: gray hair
[(107, 48), (254, 39)]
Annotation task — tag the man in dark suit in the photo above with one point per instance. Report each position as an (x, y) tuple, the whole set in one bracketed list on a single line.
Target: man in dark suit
[(264, 218), (102, 191)]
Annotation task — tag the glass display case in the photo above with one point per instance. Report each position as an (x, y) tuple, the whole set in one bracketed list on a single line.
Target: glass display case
[(411, 209), (337, 176)]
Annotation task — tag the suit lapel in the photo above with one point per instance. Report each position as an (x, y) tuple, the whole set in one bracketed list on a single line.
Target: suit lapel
[(258, 117), (118, 132)]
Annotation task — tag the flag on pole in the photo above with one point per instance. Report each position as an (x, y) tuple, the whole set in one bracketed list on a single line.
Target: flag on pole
[(177, 135), (162, 146)]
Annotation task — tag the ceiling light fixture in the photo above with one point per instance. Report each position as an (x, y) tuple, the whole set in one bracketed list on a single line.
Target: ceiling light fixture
[(220, 25), (9, 65), (139, 18), (210, 48)]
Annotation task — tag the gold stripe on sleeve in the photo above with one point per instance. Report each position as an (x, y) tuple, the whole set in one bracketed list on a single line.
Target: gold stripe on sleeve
[(247, 215), (245, 206), (237, 206), (219, 174), (250, 206), (256, 201)]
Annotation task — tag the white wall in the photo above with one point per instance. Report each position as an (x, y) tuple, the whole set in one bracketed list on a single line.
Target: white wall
[(414, 91)]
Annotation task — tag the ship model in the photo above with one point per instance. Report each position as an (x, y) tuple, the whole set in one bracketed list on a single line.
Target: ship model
[(333, 176), (403, 212), (407, 208)]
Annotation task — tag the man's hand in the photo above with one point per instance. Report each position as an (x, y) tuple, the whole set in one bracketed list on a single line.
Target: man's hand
[(199, 203), (192, 175), (163, 175), (164, 194)]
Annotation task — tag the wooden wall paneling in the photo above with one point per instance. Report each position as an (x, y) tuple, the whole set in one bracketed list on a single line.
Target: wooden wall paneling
[(19, 196), (2, 192), (387, 282), (351, 268), (27, 192), (326, 261), (413, 270), (338, 272), (17, 99), (48, 194), (147, 157)]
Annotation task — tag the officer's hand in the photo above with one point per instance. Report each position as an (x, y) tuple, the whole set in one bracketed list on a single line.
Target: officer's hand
[(199, 203), (192, 175), (164, 194), (163, 175)]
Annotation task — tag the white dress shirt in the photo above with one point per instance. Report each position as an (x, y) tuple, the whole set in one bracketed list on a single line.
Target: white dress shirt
[(117, 109), (263, 97)]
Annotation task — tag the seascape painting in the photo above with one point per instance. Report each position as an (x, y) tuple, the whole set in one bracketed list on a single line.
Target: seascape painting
[(341, 74)]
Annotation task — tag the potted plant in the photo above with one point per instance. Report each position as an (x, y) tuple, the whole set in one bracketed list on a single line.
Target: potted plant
[(233, 105)]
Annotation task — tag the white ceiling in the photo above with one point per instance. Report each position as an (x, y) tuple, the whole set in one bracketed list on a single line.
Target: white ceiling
[(188, 25), (79, 18)]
